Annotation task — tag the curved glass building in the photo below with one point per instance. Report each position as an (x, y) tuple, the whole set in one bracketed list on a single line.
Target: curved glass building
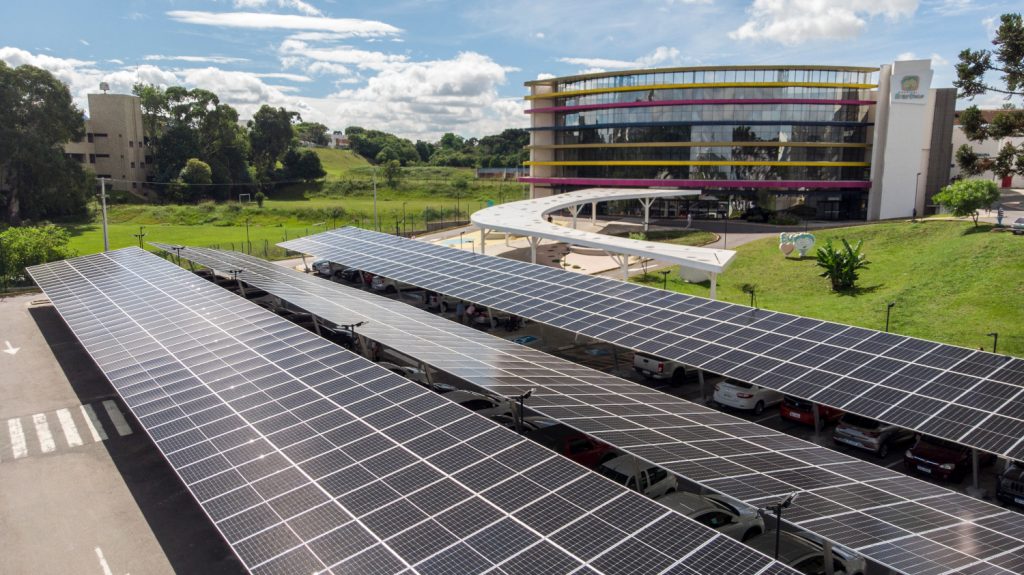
[(780, 135)]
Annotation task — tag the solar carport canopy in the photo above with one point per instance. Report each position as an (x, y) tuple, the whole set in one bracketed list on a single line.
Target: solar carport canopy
[(308, 458), (968, 397), (903, 523)]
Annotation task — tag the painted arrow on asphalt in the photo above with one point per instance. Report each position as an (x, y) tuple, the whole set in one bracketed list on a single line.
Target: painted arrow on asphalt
[(11, 349)]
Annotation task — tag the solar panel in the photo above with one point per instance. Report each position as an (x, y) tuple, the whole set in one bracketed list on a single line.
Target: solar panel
[(721, 452), (271, 429), (937, 389)]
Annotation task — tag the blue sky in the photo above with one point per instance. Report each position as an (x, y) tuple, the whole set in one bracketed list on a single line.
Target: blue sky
[(424, 67)]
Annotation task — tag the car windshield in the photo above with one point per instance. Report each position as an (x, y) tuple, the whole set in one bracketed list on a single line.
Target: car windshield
[(739, 384), (942, 443), (616, 476), (862, 422), (724, 506)]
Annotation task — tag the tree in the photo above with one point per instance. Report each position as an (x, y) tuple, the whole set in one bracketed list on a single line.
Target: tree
[(37, 117), (197, 175), (974, 70), (966, 197), (312, 132), (968, 160), (302, 165), (270, 136), (29, 246), (393, 173), (841, 265)]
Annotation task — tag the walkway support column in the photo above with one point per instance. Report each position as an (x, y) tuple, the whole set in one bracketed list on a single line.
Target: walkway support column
[(623, 261), (574, 211), (714, 285), (483, 239), (534, 242), (593, 212), (646, 202)]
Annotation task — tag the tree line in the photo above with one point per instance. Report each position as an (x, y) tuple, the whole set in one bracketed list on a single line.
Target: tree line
[(504, 150)]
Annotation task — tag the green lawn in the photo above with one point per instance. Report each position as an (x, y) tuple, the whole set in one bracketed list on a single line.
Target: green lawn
[(950, 282), (337, 163), (679, 237), (88, 239)]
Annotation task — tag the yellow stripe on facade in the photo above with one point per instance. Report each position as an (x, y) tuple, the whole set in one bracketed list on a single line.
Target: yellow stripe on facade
[(699, 145), (644, 88), (701, 163)]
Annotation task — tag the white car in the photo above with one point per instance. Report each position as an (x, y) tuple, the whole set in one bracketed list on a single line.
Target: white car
[(386, 285), (805, 552), (486, 405), (746, 396), (717, 512), (626, 470)]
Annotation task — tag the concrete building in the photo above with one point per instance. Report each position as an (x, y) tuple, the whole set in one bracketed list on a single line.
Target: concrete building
[(848, 142), (987, 149), (114, 145)]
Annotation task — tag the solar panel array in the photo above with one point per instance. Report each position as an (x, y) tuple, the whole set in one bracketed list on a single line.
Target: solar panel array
[(970, 397), (881, 513), (308, 458)]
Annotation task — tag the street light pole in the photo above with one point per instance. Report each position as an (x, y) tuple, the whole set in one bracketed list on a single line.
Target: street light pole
[(103, 208), (776, 509), (140, 235), (519, 399), (995, 340), (376, 222), (917, 187), (248, 243), (403, 218), (888, 308), (664, 278)]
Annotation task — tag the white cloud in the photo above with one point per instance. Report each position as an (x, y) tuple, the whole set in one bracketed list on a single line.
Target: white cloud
[(298, 50), (906, 56), (991, 25), (244, 4), (328, 68), (954, 7), (545, 76), (662, 55), (539, 35), (283, 76), (116, 61), (348, 27), (938, 60), (84, 42), (793, 22), (672, 2), (194, 59), (298, 5)]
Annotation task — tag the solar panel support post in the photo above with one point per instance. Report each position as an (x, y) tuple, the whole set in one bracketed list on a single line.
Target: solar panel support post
[(316, 325), (703, 388), (304, 265), (816, 410), (974, 490), (830, 568)]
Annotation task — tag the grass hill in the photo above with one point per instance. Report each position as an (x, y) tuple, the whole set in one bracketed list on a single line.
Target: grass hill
[(951, 282), (337, 163)]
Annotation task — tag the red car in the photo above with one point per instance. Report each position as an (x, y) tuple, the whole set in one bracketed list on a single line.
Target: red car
[(942, 459), (577, 446), (802, 411)]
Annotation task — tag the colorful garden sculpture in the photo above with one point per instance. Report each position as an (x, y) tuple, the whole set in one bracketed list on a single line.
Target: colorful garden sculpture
[(802, 242)]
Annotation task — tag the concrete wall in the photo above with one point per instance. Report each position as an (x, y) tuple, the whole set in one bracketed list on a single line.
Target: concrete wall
[(940, 148), (989, 148), (908, 136), (541, 138), (115, 143)]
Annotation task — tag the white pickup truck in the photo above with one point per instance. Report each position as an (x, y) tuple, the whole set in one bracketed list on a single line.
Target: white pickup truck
[(656, 368)]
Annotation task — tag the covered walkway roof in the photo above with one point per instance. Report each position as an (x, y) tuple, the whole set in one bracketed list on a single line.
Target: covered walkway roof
[(528, 218)]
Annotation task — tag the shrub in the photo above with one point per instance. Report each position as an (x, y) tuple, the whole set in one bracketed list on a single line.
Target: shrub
[(966, 197), (841, 265)]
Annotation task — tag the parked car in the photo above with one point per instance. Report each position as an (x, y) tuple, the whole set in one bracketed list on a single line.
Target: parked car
[(530, 422), (1010, 485), (745, 396), (327, 269), (805, 552), (573, 444), (802, 411), (350, 275), (863, 433), (386, 285), (717, 512), (942, 459), (656, 368), (410, 373), (486, 405), (651, 480), (1017, 226)]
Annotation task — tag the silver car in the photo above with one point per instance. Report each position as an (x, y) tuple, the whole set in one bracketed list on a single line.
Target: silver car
[(717, 512), (805, 552)]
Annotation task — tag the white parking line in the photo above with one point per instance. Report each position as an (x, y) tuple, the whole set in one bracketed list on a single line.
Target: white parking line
[(764, 419), (116, 418), (895, 463), (103, 562), (93, 423), (18, 446), (70, 430), (46, 442)]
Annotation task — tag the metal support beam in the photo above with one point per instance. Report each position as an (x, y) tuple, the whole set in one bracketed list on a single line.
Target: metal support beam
[(534, 242), (703, 388), (816, 409), (316, 325), (304, 265), (646, 202), (829, 560)]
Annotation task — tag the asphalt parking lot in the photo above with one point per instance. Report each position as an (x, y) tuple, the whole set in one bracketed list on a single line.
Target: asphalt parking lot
[(83, 488)]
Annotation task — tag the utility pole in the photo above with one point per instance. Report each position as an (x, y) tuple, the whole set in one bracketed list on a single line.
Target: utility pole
[(376, 222), (139, 235), (103, 208)]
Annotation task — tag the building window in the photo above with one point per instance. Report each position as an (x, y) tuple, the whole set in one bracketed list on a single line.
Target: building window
[(131, 144), (98, 135), (89, 137), (133, 165), (102, 155), (92, 158), (134, 185)]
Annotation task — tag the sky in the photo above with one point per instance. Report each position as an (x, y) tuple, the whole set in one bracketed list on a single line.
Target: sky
[(420, 68)]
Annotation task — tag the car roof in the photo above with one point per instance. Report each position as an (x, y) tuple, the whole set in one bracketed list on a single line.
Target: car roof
[(687, 503), (792, 548)]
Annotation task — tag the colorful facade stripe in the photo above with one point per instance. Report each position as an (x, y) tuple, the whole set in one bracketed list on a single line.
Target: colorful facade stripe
[(648, 87), (760, 184), (655, 103), (699, 163), (699, 145), (737, 122)]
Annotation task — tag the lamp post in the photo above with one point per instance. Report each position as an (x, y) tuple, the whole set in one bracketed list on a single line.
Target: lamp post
[(776, 509), (462, 241), (140, 235), (888, 309), (917, 187), (995, 340), (248, 244), (403, 218), (103, 207), (177, 250), (234, 276), (519, 399), (664, 278), (376, 222)]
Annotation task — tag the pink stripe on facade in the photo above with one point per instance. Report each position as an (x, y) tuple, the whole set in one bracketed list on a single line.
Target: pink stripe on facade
[(647, 104), (699, 183)]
